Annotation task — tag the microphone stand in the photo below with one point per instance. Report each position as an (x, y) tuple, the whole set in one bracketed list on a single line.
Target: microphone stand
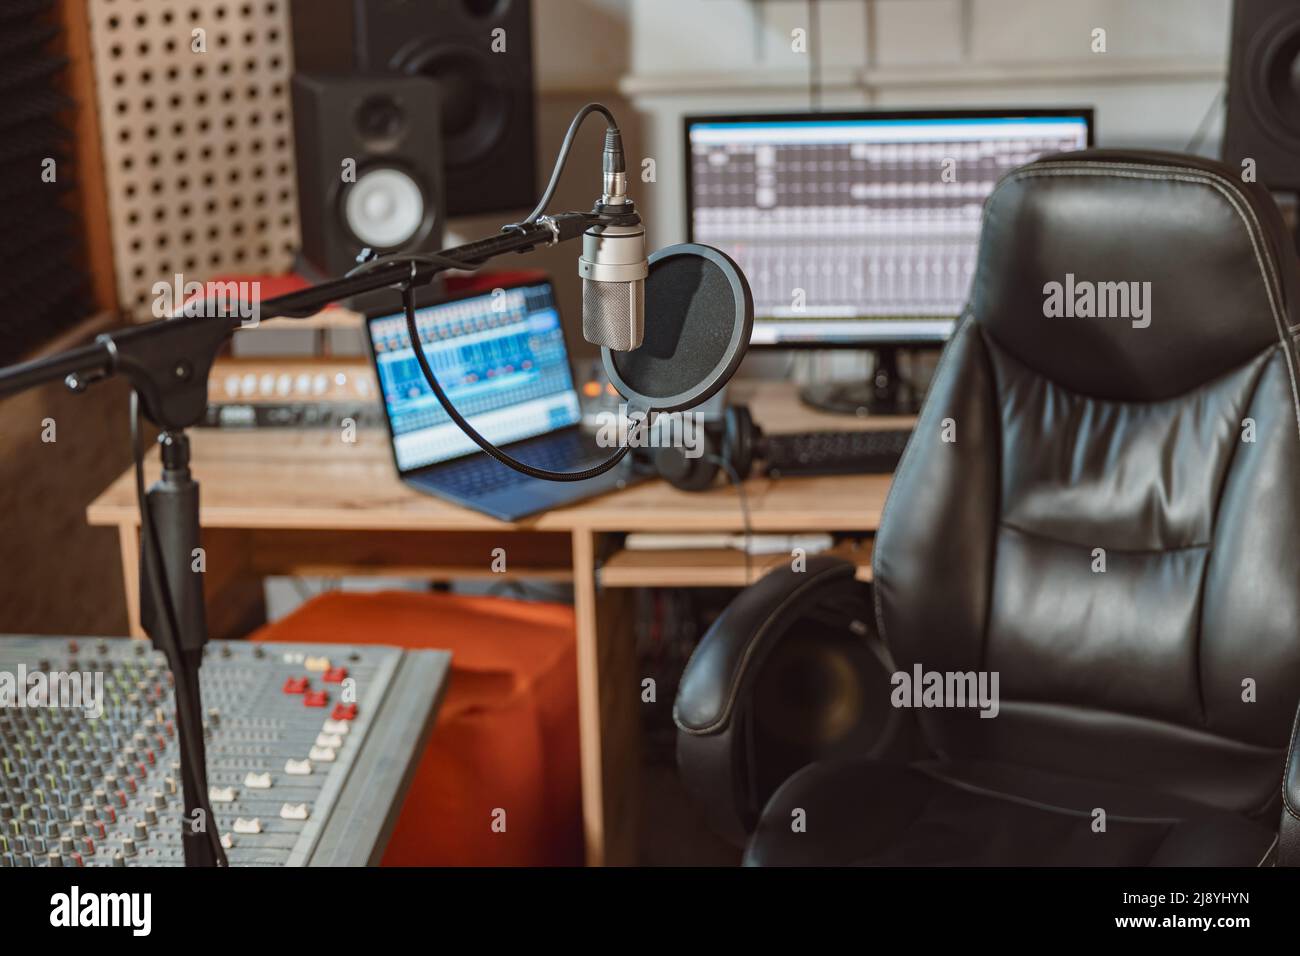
[(167, 363)]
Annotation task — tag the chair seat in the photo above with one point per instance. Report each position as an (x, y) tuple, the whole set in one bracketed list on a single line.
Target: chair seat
[(868, 813)]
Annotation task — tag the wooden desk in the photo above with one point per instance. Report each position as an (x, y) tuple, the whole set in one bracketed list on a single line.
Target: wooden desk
[(306, 503)]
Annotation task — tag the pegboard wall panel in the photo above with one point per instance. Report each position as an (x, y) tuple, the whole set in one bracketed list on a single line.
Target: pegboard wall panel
[(197, 139)]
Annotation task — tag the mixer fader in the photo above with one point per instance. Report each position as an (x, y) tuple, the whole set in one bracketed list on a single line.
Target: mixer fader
[(309, 750)]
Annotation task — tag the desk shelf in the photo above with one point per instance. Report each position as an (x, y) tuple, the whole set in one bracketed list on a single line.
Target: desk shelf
[(709, 568), (449, 556), (305, 502)]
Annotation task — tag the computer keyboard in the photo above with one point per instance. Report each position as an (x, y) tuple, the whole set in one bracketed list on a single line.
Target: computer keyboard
[(482, 473), (863, 452)]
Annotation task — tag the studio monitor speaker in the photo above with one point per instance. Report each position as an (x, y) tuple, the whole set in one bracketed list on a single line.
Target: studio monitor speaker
[(1264, 92), (479, 56), (369, 167)]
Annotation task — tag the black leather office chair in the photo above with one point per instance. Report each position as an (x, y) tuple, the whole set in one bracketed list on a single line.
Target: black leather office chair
[(1114, 531)]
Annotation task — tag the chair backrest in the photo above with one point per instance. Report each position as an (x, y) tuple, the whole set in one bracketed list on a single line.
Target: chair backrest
[(1101, 500)]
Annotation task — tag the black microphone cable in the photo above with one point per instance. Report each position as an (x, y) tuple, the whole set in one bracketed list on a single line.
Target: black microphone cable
[(733, 476), (611, 127), (186, 694), (408, 304)]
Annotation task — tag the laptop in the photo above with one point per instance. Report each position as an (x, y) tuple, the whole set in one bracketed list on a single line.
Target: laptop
[(501, 358)]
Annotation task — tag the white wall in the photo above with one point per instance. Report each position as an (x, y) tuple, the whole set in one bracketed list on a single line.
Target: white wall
[(1164, 65), (653, 61)]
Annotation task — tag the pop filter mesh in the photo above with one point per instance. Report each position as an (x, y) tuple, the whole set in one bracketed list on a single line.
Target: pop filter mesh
[(693, 305)]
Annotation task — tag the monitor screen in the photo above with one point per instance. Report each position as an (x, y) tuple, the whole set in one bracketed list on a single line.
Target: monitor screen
[(860, 228), (499, 356)]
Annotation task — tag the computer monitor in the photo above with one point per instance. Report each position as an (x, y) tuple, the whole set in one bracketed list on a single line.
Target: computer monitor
[(500, 357), (859, 230)]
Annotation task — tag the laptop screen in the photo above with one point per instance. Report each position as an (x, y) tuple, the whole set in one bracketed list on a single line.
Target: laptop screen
[(499, 356)]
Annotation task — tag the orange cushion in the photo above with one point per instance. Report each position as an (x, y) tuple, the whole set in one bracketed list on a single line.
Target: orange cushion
[(506, 736)]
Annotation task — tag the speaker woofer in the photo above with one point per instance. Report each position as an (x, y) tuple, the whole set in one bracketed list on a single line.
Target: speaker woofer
[(473, 97), (385, 208), (1262, 129), (1274, 85), (380, 122), (477, 55)]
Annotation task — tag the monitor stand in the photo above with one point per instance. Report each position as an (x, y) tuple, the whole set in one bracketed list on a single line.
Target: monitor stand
[(886, 393)]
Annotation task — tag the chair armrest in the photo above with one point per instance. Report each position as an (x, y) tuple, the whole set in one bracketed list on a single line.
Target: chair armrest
[(711, 682), (1288, 833), (769, 686)]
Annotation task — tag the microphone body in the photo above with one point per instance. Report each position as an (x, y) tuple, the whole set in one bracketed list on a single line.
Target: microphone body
[(614, 267), (613, 264)]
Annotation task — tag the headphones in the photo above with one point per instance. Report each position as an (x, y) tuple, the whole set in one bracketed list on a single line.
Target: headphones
[(735, 441)]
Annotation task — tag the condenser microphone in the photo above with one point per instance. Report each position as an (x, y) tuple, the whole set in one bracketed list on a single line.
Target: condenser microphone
[(613, 264)]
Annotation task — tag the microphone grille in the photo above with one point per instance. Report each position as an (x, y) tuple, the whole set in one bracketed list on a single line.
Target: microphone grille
[(613, 313)]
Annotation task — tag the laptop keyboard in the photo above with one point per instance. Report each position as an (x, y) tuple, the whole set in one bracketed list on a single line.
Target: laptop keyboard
[(483, 474)]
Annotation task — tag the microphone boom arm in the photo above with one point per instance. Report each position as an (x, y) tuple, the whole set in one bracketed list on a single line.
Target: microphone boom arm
[(175, 397), (168, 363)]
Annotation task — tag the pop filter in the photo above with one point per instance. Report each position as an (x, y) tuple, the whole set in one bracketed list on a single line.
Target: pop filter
[(698, 316)]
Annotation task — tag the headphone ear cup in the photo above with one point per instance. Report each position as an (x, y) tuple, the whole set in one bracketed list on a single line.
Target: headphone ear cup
[(683, 473), (739, 440)]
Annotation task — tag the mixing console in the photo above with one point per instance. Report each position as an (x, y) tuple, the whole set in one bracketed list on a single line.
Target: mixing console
[(309, 748)]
